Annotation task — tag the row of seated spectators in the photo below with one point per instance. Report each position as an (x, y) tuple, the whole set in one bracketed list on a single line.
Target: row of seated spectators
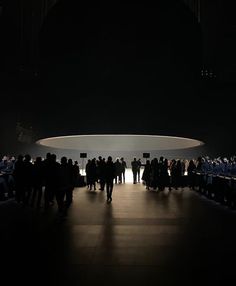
[(215, 179), (6, 177)]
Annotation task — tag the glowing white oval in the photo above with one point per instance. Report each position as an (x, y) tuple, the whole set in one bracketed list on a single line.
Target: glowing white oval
[(120, 142)]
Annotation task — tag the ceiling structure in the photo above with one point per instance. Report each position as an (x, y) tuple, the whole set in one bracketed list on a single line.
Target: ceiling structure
[(111, 143)]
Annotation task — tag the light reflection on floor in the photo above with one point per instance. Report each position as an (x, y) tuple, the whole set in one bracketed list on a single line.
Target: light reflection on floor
[(128, 175)]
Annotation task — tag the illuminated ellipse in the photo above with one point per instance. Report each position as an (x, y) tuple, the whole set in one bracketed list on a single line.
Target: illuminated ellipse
[(120, 142)]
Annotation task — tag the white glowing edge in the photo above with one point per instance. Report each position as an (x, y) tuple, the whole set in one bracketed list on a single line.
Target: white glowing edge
[(120, 142)]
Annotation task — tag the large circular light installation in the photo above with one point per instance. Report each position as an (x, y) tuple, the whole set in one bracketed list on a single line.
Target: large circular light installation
[(125, 143)]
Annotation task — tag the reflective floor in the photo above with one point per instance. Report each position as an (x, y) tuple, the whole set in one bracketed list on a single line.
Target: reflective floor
[(141, 238)]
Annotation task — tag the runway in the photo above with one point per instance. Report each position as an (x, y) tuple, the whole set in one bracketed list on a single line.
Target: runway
[(141, 238)]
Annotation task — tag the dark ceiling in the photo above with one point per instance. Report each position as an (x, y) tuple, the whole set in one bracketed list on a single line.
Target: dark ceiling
[(118, 68)]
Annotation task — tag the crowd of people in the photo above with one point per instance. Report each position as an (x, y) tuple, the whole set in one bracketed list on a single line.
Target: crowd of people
[(41, 181), (96, 171), (28, 181), (33, 182), (105, 172), (215, 179), (159, 174)]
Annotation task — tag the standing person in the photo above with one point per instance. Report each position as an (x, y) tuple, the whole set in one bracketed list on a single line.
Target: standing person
[(154, 173), (139, 168), (87, 171), (69, 190), (163, 172), (101, 167), (37, 182), (179, 173), (167, 176), (146, 177), (93, 175), (76, 173), (191, 174), (134, 165), (18, 175), (109, 175), (123, 168), (173, 175), (118, 170), (28, 178), (64, 184), (51, 177)]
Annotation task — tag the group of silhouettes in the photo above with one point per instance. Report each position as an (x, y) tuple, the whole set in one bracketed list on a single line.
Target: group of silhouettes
[(105, 172), (157, 174), (96, 171), (162, 173), (58, 180), (50, 180)]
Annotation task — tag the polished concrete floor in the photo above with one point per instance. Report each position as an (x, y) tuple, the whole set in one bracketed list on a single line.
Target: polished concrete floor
[(141, 238)]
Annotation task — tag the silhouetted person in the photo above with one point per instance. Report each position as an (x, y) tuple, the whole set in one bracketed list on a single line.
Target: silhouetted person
[(134, 165), (173, 174), (139, 169), (18, 175), (110, 175), (69, 190), (123, 169), (163, 173), (176, 174), (51, 178), (92, 174), (64, 183), (37, 181), (47, 179), (76, 173), (118, 171), (166, 174), (146, 177), (191, 175), (28, 178), (87, 171), (180, 173), (101, 166), (154, 173)]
